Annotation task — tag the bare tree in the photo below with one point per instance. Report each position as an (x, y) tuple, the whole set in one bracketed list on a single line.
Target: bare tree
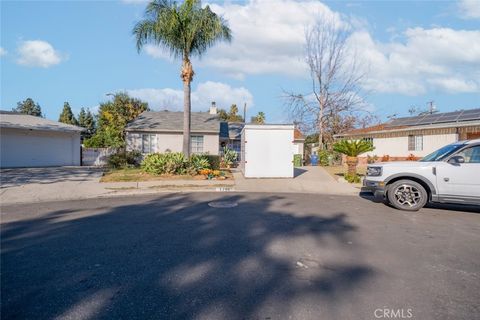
[(335, 79)]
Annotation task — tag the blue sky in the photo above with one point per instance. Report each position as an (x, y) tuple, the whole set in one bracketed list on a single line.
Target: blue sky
[(78, 51)]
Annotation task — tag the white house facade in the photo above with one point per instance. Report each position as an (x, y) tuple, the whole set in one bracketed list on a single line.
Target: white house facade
[(416, 137), (162, 131)]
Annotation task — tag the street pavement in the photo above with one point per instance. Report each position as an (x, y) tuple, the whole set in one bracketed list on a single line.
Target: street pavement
[(272, 256)]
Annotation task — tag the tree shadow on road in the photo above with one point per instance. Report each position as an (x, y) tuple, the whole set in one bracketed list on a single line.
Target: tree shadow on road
[(176, 257)]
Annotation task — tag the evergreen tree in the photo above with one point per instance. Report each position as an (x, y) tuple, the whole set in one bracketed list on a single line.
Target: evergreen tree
[(67, 115), (28, 107), (87, 121)]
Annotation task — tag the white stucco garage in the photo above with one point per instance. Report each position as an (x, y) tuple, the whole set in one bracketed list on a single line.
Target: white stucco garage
[(28, 141)]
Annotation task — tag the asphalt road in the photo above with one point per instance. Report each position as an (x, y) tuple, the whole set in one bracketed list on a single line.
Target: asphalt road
[(271, 257)]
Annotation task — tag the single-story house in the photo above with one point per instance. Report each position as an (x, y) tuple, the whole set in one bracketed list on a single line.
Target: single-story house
[(28, 141), (162, 131), (298, 142), (417, 136)]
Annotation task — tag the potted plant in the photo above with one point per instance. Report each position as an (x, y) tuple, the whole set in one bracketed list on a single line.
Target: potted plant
[(352, 149)]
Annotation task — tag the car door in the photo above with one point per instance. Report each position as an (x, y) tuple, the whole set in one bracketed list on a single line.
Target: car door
[(460, 179)]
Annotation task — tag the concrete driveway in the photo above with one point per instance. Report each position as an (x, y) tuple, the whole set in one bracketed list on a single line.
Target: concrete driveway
[(288, 256), (17, 177), (309, 179), (55, 183)]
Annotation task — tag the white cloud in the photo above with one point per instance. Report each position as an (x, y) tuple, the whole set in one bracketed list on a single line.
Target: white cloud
[(268, 37), (469, 9), (427, 59), (38, 53), (157, 52), (3, 52), (206, 92)]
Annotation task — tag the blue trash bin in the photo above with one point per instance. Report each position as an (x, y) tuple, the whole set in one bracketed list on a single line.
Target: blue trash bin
[(314, 160)]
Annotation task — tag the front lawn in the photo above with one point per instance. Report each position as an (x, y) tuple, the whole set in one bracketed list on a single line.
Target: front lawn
[(136, 174)]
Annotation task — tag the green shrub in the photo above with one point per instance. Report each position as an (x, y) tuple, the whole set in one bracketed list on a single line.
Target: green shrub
[(174, 163), (214, 161), (352, 178), (124, 159), (165, 163), (324, 157), (229, 156), (197, 162)]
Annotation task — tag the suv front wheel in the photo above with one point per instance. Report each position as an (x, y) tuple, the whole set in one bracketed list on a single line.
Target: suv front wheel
[(407, 195)]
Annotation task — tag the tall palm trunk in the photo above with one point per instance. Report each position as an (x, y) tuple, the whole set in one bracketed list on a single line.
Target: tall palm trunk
[(187, 77)]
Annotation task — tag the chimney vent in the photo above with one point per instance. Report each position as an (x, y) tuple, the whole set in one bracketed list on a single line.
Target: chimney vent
[(213, 108)]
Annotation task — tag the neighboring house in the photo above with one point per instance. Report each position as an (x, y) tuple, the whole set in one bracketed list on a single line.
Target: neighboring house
[(234, 136), (28, 141), (162, 131), (298, 142), (419, 135)]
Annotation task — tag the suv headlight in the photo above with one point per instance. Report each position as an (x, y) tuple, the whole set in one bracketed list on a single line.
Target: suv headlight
[(374, 171)]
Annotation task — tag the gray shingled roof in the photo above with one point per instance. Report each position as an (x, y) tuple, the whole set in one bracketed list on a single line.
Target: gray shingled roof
[(235, 130), (24, 121), (168, 121)]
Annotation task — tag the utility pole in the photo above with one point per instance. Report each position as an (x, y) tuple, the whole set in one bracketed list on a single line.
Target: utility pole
[(431, 107), (245, 112)]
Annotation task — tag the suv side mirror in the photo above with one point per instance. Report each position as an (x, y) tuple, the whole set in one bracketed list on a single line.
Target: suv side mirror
[(456, 160)]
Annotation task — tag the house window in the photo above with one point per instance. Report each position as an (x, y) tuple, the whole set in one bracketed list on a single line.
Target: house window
[(197, 144), (415, 143), (148, 143)]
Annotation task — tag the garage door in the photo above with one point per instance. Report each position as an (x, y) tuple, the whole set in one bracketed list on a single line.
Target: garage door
[(28, 148)]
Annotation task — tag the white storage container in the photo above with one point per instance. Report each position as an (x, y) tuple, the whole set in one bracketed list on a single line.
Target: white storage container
[(267, 151)]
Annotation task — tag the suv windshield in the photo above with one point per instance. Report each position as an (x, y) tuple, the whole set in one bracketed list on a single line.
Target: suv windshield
[(442, 153)]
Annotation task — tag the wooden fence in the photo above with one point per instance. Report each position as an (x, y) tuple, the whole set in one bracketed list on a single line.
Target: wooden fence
[(96, 156)]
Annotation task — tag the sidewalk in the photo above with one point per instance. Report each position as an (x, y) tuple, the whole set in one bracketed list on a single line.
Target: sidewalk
[(75, 190), (313, 180), (60, 184)]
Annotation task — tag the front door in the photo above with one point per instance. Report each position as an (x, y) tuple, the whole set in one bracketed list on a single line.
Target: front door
[(460, 179)]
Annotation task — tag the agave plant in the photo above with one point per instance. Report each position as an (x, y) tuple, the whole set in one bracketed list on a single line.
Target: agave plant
[(352, 149), (229, 156)]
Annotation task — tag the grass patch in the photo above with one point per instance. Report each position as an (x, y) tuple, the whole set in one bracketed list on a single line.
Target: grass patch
[(136, 174), (338, 172)]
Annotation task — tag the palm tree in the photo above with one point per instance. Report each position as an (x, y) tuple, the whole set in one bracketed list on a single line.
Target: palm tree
[(261, 118), (352, 149), (185, 30)]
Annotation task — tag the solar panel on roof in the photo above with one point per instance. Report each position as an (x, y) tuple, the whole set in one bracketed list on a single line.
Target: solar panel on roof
[(470, 116), (463, 115)]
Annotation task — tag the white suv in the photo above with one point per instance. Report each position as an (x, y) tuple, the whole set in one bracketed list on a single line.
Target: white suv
[(450, 175)]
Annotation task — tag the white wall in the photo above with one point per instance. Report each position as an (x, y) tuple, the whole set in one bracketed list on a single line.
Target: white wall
[(298, 148), (398, 146), (33, 148), (173, 142), (268, 151)]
